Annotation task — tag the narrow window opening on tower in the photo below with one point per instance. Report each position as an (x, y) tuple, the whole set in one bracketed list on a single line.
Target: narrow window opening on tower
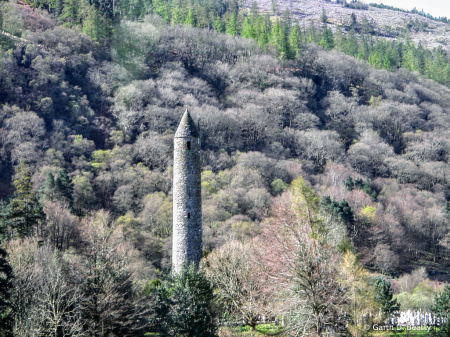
[(189, 144), (189, 215)]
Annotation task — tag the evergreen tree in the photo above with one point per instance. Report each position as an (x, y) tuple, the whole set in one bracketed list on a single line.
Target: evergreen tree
[(365, 49), (295, 44), (162, 8), (287, 22), (327, 39), (446, 209), (441, 309), (218, 24), (89, 22), (70, 13), (190, 19), (341, 211), (353, 22), (64, 187), (25, 210), (384, 296), (183, 305), (5, 233), (102, 26), (263, 28), (6, 322), (376, 59), (274, 6), (345, 213), (351, 45), (349, 185), (312, 34), (47, 191), (324, 16), (177, 15), (278, 39), (248, 29), (420, 56), (325, 203), (254, 11), (359, 184), (231, 26), (366, 26), (339, 40), (59, 7), (367, 188)]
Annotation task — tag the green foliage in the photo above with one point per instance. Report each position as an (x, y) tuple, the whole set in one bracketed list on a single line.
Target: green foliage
[(96, 24), (324, 16), (70, 12), (384, 296), (64, 187), (4, 215), (369, 211), (97, 20), (342, 211), (47, 191), (295, 41), (248, 29), (278, 186), (420, 298), (327, 40), (84, 195), (232, 25), (351, 45), (446, 209), (59, 189), (278, 39), (365, 186), (441, 309), (183, 305), (356, 5), (414, 11), (190, 19), (349, 184), (6, 286), (25, 212), (219, 25)]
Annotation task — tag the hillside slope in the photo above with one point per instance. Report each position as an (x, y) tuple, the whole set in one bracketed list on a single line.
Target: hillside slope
[(386, 23), (105, 112)]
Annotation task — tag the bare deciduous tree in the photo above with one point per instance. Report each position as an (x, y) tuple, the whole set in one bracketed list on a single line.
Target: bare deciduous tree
[(233, 271), (60, 228)]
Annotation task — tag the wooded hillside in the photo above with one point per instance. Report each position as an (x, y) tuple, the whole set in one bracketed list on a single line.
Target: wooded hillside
[(88, 110)]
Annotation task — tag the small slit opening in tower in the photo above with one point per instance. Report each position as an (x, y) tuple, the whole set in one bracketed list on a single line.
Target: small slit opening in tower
[(189, 145), (189, 215)]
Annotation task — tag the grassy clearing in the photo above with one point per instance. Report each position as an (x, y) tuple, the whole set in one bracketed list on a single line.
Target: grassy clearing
[(273, 330), (408, 333), (261, 330)]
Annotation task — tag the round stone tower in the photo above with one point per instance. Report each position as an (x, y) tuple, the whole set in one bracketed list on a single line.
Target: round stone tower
[(187, 195)]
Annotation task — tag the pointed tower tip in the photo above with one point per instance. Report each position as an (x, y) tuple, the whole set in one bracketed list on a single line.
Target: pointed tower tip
[(187, 127)]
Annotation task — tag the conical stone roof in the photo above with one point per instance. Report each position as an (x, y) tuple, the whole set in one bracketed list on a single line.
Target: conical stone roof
[(187, 127)]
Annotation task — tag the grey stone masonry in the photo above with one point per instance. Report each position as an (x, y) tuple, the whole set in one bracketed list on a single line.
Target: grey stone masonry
[(187, 196)]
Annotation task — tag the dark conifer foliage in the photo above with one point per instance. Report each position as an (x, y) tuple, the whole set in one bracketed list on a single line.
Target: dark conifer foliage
[(441, 309), (6, 277), (385, 296), (184, 305), (25, 212), (47, 191), (64, 187)]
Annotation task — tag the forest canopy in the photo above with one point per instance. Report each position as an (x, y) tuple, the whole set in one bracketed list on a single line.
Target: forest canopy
[(89, 105)]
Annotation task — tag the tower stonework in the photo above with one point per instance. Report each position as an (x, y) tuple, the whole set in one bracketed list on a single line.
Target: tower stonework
[(187, 195)]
